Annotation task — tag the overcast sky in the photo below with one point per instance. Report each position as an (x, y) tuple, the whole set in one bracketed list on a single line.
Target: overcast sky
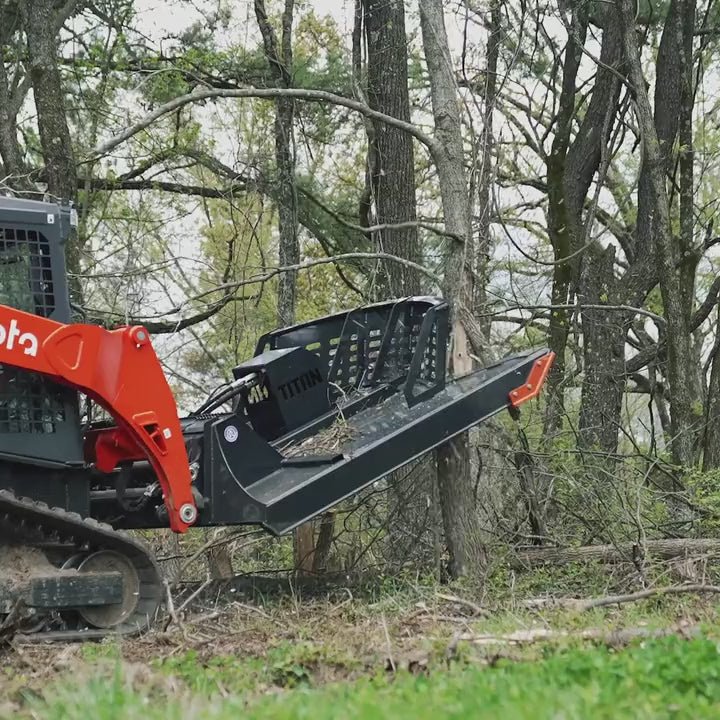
[(163, 17), (167, 16)]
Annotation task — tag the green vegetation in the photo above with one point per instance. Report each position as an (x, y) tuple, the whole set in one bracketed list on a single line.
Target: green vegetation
[(398, 649), (401, 651), (663, 678)]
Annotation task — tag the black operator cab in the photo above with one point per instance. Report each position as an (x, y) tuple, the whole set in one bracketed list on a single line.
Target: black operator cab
[(39, 420)]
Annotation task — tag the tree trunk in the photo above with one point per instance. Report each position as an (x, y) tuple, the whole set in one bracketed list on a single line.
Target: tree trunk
[(657, 136), (576, 157), (560, 229), (289, 245), (392, 191), (487, 140), (534, 488), (571, 167), (604, 334), (393, 172), (40, 28), (279, 56), (689, 252), (468, 555), (711, 440), (219, 557), (304, 547), (10, 152), (326, 533)]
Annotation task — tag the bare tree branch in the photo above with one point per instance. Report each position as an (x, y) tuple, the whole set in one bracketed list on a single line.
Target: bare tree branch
[(262, 93), (583, 306), (152, 325), (164, 186), (702, 313), (639, 361)]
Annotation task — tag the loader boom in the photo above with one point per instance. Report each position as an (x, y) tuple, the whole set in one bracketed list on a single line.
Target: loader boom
[(120, 371)]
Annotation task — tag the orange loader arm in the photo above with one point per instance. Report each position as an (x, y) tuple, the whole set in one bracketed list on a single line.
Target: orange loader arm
[(120, 371)]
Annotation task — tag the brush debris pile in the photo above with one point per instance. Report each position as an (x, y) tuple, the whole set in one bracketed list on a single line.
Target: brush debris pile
[(327, 441)]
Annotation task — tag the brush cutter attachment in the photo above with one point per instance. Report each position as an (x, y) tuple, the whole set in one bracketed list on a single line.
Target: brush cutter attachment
[(326, 408)]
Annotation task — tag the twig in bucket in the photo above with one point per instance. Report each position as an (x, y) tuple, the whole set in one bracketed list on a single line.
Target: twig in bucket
[(326, 441)]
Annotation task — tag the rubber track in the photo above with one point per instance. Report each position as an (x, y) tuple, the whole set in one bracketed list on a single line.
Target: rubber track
[(31, 521)]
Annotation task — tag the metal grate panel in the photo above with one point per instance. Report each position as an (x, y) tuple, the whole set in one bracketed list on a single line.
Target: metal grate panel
[(26, 279), (28, 402), (370, 345)]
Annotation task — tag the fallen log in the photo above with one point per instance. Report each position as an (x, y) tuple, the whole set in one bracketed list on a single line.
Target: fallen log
[(622, 552), (613, 638), (582, 604)]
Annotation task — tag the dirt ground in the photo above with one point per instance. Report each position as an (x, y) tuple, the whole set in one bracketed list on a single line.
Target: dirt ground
[(344, 637)]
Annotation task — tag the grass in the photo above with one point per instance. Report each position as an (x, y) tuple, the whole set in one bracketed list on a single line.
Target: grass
[(664, 678), (393, 654)]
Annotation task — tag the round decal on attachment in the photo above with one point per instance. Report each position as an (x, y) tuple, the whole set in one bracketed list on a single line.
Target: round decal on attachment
[(231, 433)]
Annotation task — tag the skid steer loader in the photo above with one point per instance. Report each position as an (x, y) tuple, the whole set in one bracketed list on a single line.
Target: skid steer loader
[(71, 487)]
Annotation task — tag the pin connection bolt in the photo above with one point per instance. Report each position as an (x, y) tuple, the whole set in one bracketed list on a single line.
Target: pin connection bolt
[(139, 336), (188, 513)]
